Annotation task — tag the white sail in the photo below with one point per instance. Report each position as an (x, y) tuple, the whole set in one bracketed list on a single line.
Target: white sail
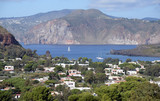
[(69, 49), (99, 58)]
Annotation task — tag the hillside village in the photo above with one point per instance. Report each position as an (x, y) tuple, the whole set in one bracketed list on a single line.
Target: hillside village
[(79, 74)]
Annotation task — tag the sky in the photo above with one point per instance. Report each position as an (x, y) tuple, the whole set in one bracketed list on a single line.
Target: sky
[(119, 8)]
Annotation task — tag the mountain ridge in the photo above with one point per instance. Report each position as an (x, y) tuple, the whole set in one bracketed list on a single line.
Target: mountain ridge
[(90, 27)]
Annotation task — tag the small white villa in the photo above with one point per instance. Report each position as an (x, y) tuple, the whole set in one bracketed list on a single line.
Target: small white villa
[(74, 72), (132, 72), (49, 69), (9, 68)]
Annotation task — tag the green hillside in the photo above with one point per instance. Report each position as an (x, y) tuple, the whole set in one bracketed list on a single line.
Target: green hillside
[(142, 50)]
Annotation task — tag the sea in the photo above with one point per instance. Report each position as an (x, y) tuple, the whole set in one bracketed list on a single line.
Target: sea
[(89, 51)]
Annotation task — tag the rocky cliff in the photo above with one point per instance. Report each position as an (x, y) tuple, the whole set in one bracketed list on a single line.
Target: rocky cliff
[(90, 27), (19, 26), (94, 27), (52, 32), (6, 38)]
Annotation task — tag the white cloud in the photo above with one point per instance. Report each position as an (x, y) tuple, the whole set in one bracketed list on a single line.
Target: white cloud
[(122, 4), (14, 0)]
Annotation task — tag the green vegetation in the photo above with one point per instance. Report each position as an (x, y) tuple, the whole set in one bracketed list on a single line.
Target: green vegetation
[(129, 66), (142, 50), (135, 89), (83, 97), (111, 61), (153, 70), (20, 84), (38, 94), (12, 51), (5, 96)]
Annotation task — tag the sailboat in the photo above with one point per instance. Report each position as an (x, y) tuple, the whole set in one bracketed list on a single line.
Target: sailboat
[(99, 58), (69, 49)]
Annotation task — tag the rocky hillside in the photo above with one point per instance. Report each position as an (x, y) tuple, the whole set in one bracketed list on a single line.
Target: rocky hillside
[(142, 50), (94, 27), (6, 38), (10, 48), (91, 27), (18, 26)]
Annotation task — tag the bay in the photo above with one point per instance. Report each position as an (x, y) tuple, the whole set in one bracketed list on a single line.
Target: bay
[(89, 51)]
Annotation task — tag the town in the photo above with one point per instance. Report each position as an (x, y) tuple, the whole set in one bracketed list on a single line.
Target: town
[(64, 77)]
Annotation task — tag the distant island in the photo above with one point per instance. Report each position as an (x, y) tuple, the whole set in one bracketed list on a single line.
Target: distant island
[(82, 27), (141, 50)]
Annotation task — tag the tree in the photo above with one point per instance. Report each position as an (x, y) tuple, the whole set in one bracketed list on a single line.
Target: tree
[(83, 97), (129, 66), (131, 90), (80, 59), (48, 54), (128, 60), (41, 62), (84, 59), (153, 70), (38, 94), (89, 77), (18, 83), (47, 63), (137, 79), (100, 77), (65, 91), (50, 82), (58, 69), (53, 76), (5, 95), (76, 91), (28, 67), (99, 70), (2, 65), (110, 60), (149, 92)]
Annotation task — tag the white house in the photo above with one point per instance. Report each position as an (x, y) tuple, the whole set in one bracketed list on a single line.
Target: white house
[(110, 83), (9, 68), (42, 79), (58, 84), (82, 88), (17, 96), (133, 62), (90, 68), (120, 71), (49, 69), (83, 65), (74, 72), (117, 71), (120, 62), (155, 82), (18, 59), (115, 78), (64, 65), (70, 84), (131, 72), (66, 79)]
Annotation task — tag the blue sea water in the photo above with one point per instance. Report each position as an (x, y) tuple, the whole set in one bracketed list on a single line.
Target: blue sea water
[(89, 51)]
